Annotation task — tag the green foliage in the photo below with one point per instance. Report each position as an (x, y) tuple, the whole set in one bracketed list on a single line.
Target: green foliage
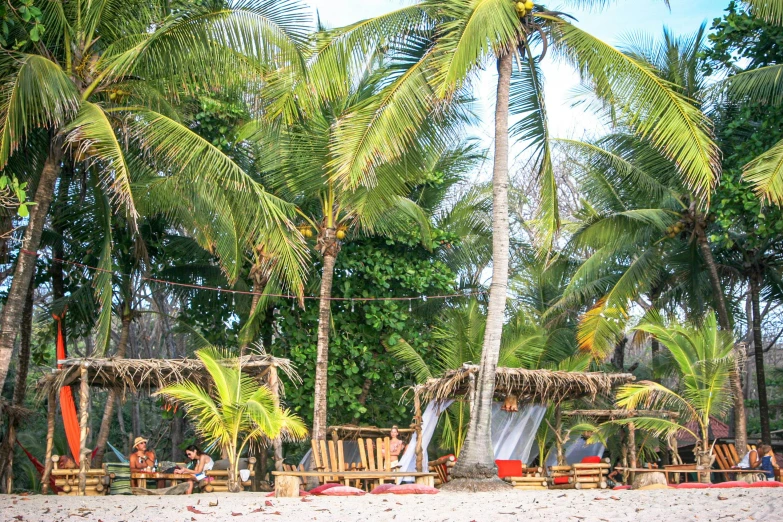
[(14, 194), (20, 20), (361, 331)]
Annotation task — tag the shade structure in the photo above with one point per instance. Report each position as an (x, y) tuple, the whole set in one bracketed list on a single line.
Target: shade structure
[(531, 386)]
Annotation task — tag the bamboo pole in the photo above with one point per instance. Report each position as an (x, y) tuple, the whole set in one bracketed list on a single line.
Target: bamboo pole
[(558, 435), (417, 412), (50, 414), (84, 453), (632, 447), (277, 443)]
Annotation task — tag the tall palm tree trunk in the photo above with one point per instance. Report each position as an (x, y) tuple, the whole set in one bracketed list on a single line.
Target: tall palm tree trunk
[(477, 460), (735, 379), (25, 265), (20, 391), (112, 397), (758, 351), (329, 248)]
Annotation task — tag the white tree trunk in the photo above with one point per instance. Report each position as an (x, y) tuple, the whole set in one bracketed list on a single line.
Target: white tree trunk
[(477, 462)]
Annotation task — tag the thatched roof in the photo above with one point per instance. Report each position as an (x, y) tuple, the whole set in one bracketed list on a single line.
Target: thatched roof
[(608, 415), (131, 375), (351, 431), (541, 386)]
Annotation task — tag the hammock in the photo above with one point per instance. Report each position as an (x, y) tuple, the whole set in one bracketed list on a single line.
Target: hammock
[(39, 467), (120, 456), (68, 407)]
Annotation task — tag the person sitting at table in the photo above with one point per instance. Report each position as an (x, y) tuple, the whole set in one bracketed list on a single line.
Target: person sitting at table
[(143, 459), (201, 464)]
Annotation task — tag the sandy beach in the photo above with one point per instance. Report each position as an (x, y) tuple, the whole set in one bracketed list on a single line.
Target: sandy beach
[(552, 506)]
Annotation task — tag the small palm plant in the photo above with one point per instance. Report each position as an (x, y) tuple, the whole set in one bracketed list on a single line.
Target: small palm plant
[(234, 411), (701, 358)]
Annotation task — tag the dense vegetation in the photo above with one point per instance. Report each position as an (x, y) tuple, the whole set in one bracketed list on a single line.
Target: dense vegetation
[(303, 191)]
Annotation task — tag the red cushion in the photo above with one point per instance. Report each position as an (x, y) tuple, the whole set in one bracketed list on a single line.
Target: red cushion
[(730, 484), (323, 487), (383, 488), (591, 460), (560, 480), (343, 491), (509, 468), (766, 484), (620, 488), (692, 485), (413, 489)]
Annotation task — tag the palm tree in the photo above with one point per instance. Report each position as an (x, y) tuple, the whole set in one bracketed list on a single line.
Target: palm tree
[(235, 411), (97, 87), (702, 358), (466, 35), (656, 244), (301, 165)]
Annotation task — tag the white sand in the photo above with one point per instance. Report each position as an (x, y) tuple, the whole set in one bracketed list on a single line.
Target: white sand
[(552, 506)]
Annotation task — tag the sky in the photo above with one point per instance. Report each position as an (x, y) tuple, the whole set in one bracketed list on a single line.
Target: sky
[(621, 20)]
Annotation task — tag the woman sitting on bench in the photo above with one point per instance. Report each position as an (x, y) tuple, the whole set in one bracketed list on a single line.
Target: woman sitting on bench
[(202, 463)]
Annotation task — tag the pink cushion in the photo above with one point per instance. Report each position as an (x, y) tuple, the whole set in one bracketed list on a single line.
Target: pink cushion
[(591, 460), (620, 488), (509, 468), (730, 484), (323, 487), (413, 489), (343, 491), (382, 489), (766, 484), (692, 485)]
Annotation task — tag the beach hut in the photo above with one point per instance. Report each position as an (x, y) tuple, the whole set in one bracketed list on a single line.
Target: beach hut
[(134, 375), (513, 387)]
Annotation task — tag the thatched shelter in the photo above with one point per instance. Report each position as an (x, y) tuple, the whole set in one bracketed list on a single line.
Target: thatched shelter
[(539, 386), (133, 375)]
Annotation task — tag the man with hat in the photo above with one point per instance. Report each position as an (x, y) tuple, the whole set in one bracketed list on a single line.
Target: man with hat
[(141, 459)]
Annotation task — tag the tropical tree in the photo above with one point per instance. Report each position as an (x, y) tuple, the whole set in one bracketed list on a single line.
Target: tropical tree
[(96, 88), (234, 411), (702, 359)]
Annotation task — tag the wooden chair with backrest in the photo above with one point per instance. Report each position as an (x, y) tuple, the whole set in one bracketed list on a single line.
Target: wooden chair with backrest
[(375, 456), (726, 455), (328, 456)]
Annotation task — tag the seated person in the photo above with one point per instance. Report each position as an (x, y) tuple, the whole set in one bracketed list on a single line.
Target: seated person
[(201, 464), (142, 459), (66, 462), (396, 446), (615, 478), (768, 463), (751, 460)]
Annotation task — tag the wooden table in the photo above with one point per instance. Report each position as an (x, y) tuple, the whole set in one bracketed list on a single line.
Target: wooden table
[(347, 476), (175, 477)]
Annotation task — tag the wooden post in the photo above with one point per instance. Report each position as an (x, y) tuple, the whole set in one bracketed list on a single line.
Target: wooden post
[(84, 422), (50, 414), (559, 435), (632, 447), (417, 413), (277, 443)]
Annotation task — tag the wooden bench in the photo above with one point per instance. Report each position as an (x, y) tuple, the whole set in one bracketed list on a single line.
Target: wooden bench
[(96, 483), (284, 488)]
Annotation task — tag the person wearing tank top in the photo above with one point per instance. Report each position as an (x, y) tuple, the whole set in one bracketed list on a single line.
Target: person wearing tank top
[(202, 463)]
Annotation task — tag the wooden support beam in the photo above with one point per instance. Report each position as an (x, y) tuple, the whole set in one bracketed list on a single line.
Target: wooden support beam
[(273, 381), (632, 446), (418, 419), (50, 414), (84, 423)]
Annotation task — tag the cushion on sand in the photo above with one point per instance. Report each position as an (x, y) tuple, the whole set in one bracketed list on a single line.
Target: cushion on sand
[(692, 485), (413, 489), (654, 486), (323, 487), (560, 480), (620, 488), (343, 491), (766, 484), (591, 460), (509, 468), (730, 484), (382, 489)]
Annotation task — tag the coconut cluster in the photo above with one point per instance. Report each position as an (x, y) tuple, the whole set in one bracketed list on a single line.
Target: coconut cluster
[(524, 7), (673, 230)]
